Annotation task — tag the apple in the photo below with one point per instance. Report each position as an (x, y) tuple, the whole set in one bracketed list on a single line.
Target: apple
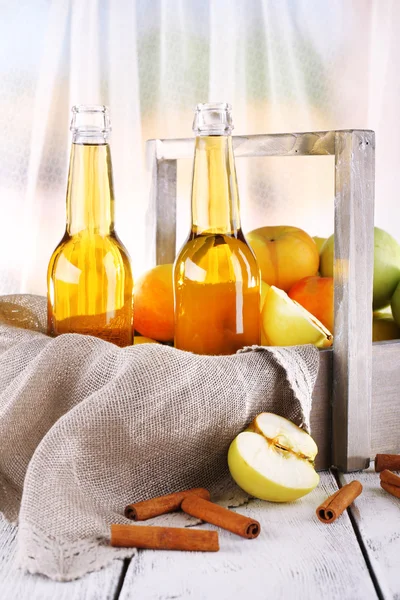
[(384, 327), (140, 339), (320, 241), (274, 459), (395, 304), (264, 291), (287, 323), (284, 254), (386, 266), (327, 256)]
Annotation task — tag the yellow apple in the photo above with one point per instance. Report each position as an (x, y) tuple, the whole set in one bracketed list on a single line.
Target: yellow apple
[(274, 459), (140, 339), (284, 254), (264, 291), (287, 323)]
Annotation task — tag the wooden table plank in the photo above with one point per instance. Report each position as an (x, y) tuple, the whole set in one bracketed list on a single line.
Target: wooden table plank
[(16, 585), (377, 517), (294, 557)]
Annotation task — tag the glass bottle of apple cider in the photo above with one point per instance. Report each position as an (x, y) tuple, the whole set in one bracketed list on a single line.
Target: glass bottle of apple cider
[(216, 276), (89, 279)]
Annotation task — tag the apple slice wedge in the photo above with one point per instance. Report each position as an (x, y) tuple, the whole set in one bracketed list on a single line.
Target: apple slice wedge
[(274, 459), (286, 323)]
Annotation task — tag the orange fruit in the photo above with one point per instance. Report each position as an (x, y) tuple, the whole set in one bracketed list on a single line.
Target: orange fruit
[(154, 304), (316, 295)]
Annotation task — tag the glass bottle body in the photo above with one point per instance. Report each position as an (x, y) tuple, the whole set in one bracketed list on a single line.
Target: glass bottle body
[(89, 278), (216, 276)]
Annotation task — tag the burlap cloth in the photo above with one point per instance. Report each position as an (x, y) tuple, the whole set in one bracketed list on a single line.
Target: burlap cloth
[(86, 427)]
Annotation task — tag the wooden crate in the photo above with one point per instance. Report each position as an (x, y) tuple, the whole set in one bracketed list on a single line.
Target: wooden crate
[(355, 406)]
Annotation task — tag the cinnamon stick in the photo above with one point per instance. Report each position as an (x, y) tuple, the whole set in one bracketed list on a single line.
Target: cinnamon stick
[(391, 489), (390, 483), (387, 461), (333, 506), (164, 538), (141, 511), (222, 517)]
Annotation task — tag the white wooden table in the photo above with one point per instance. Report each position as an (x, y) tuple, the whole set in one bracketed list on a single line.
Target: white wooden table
[(295, 557)]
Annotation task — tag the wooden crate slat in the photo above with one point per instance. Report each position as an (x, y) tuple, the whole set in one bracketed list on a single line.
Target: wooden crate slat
[(319, 143), (385, 435), (163, 202), (353, 269), (321, 411), (385, 430)]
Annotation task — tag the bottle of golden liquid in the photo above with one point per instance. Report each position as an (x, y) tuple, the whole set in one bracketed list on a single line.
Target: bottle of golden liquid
[(89, 279), (216, 276)]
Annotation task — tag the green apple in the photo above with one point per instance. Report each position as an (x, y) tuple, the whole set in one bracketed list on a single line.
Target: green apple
[(386, 266), (395, 304), (326, 257), (384, 327), (320, 242), (274, 460), (284, 322)]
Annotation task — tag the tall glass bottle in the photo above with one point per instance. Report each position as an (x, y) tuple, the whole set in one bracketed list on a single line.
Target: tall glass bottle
[(89, 279), (216, 276)]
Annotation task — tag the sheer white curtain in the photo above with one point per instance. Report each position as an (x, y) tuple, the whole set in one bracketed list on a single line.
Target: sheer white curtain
[(291, 65)]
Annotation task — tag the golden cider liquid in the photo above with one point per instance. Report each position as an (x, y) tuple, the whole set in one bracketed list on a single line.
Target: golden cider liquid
[(89, 279), (216, 276)]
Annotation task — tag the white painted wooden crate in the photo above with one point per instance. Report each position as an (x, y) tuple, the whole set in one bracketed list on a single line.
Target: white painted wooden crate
[(355, 410)]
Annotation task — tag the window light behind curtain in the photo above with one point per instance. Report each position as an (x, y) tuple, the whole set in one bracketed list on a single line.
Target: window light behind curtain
[(292, 65)]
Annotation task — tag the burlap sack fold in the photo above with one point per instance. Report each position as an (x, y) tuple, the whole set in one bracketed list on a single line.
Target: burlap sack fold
[(86, 427)]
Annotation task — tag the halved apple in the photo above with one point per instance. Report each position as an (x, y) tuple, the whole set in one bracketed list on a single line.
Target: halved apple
[(264, 291), (286, 323), (274, 459)]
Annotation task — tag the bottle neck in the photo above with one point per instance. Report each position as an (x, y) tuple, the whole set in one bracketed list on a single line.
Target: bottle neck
[(90, 194), (215, 198)]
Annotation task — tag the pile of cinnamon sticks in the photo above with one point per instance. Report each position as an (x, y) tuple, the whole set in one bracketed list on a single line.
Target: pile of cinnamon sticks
[(195, 502), (336, 504), (385, 464)]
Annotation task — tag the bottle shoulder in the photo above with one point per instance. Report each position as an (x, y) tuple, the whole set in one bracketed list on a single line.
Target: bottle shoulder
[(88, 249), (217, 257), (200, 245), (120, 245), (85, 238)]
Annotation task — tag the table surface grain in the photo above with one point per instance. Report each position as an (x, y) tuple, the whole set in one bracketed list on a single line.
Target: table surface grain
[(295, 557)]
